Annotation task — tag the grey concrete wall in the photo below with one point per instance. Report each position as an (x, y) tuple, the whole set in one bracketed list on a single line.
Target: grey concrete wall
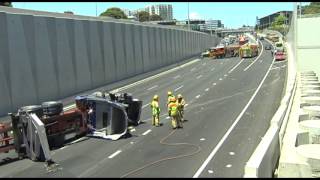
[(46, 58)]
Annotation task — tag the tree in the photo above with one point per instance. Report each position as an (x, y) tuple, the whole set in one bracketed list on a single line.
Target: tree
[(279, 24), (155, 17), (143, 16), (8, 4), (312, 8), (114, 12)]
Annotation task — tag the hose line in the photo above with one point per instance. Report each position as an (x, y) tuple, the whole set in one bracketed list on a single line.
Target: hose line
[(167, 158)]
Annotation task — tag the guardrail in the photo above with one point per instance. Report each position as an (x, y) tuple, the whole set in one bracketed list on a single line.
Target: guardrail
[(263, 161)]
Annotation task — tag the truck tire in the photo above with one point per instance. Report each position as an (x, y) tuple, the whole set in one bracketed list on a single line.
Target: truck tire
[(36, 109), (52, 108)]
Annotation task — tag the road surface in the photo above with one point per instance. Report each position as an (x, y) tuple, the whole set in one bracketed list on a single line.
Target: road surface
[(230, 105)]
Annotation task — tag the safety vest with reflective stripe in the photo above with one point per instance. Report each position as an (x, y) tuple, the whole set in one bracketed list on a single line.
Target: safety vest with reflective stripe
[(173, 108), (155, 108)]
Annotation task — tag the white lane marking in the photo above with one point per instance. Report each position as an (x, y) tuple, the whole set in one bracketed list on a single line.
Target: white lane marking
[(207, 89), (63, 147), (145, 133), (153, 87), (202, 139), (231, 153), (141, 81), (132, 130), (199, 76), (198, 96), (220, 79), (186, 105), (228, 165), (255, 59), (114, 154), (215, 150), (69, 107), (225, 75), (235, 66), (193, 69), (176, 77), (212, 69), (210, 171), (214, 84), (167, 117), (275, 68), (145, 105), (131, 142), (178, 88)]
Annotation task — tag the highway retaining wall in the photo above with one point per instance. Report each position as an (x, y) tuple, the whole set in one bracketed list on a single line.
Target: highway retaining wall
[(49, 57)]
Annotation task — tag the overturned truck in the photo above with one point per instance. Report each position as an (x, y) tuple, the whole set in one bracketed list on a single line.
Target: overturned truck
[(35, 130)]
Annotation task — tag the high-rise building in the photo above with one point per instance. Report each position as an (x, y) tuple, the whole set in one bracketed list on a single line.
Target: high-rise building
[(211, 25), (163, 10)]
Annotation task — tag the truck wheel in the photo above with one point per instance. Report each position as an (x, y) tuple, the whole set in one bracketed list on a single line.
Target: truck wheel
[(52, 108)]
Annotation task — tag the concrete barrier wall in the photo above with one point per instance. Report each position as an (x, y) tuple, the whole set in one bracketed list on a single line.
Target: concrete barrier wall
[(48, 58)]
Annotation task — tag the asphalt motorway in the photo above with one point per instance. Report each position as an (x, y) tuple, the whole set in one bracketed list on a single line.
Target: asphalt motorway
[(230, 105)]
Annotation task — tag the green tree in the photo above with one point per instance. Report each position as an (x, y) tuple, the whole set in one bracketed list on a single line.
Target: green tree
[(114, 12), (143, 16), (155, 17), (312, 8), (8, 4)]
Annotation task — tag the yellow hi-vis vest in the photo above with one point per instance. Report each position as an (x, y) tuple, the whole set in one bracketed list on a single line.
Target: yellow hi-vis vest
[(155, 108), (173, 108)]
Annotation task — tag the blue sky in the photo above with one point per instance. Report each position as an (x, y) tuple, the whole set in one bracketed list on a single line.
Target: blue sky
[(232, 14)]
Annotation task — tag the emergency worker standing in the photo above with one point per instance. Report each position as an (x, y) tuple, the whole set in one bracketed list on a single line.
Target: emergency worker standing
[(170, 95), (155, 111), (181, 103), (173, 113)]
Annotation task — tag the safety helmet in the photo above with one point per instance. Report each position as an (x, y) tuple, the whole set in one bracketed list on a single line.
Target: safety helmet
[(169, 93), (179, 96), (155, 97), (172, 99)]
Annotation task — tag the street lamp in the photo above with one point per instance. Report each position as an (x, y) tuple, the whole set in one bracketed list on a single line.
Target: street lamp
[(188, 18)]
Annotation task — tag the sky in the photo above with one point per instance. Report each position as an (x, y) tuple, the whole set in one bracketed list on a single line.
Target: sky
[(232, 14)]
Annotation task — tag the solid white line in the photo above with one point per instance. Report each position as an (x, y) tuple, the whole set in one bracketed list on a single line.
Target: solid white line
[(256, 58), (235, 66), (176, 77), (145, 133), (142, 81), (153, 87), (214, 151), (114, 154), (178, 88), (199, 76), (145, 105)]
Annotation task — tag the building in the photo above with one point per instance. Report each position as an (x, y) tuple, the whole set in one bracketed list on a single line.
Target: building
[(127, 12), (266, 21), (163, 10), (211, 25)]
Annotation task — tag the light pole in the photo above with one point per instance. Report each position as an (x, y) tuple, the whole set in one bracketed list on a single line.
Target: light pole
[(96, 9), (188, 17)]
